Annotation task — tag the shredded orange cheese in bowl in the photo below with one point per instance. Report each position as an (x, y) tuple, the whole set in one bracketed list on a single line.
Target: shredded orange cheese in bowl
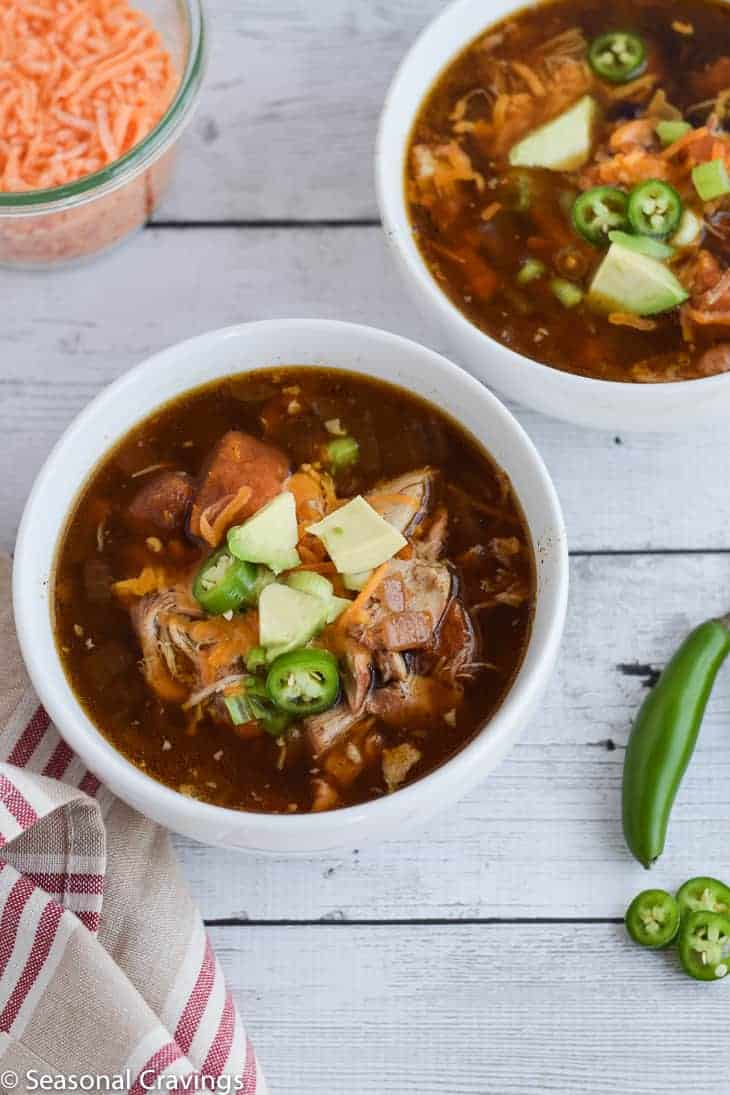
[(91, 102)]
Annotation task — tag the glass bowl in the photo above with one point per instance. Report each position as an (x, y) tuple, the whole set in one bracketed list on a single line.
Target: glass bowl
[(45, 228)]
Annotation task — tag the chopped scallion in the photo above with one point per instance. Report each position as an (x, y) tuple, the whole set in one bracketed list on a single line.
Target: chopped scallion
[(255, 659), (669, 132), (711, 180), (343, 452), (530, 270), (238, 708), (568, 294)]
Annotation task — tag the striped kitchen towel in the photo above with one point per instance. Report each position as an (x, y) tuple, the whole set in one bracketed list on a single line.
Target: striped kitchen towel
[(105, 967)]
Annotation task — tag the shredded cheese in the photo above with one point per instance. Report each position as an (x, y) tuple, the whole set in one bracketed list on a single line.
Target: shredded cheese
[(81, 83)]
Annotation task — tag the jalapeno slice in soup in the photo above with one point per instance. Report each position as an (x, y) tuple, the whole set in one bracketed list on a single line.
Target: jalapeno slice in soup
[(598, 211), (704, 945), (304, 682), (652, 918), (223, 583), (655, 209), (617, 56), (703, 895)]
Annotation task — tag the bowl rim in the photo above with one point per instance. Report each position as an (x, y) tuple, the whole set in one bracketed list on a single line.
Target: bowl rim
[(391, 199), (141, 155), (112, 768)]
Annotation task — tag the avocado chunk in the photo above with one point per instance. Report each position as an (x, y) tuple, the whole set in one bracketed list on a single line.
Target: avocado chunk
[(628, 281), (316, 585), (645, 245), (357, 537), (270, 536), (288, 618), (564, 144)]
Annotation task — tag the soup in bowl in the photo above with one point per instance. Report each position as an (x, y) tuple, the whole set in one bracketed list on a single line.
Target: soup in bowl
[(298, 597), (561, 189)]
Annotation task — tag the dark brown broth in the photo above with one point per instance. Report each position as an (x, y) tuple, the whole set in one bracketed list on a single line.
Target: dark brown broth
[(532, 321), (397, 432)]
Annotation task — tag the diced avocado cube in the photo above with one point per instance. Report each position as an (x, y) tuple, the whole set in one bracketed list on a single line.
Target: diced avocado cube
[(628, 281), (564, 144), (288, 618), (357, 537), (270, 536)]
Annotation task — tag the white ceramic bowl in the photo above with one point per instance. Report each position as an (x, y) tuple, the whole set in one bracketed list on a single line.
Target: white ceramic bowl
[(599, 403), (237, 350)]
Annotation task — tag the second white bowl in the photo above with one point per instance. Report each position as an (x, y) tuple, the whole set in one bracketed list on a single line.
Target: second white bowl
[(599, 403)]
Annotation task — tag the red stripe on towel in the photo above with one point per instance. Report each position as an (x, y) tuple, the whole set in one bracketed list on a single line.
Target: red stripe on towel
[(220, 1050), (30, 739), (44, 937), (17, 805), (59, 762), (158, 1062), (196, 1005), (16, 901)]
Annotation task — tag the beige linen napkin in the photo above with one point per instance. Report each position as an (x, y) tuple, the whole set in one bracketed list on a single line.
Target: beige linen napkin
[(105, 967)]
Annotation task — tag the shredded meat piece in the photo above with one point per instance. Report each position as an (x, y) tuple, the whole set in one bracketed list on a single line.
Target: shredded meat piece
[(430, 546), (324, 795), (322, 731), (712, 80), (404, 502), (639, 133), (403, 631), (426, 591), (715, 360), (238, 461), (709, 304), (398, 762), (359, 676), (403, 703), (163, 501)]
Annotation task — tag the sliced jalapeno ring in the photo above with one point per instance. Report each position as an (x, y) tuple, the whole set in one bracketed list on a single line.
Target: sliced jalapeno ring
[(703, 895), (652, 918), (304, 682), (223, 583), (704, 945), (654, 209), (618, 56), (599, 211)]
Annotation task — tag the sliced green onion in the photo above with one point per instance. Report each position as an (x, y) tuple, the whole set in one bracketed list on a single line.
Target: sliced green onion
[(255, 659), (530, 270), (711, 180), (343, 452), (568, 294), (238, 708), (669, 132)]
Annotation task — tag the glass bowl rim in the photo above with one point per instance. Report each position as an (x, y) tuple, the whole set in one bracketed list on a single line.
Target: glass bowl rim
[(141, 155)]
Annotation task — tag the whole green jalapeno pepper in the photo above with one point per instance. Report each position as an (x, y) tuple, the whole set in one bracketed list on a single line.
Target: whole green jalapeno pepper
[(664, 735)]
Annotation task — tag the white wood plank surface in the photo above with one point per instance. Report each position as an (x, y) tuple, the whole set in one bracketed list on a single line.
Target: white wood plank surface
[(474, 1010), (542, 835), (287, 117), (63, 337)]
